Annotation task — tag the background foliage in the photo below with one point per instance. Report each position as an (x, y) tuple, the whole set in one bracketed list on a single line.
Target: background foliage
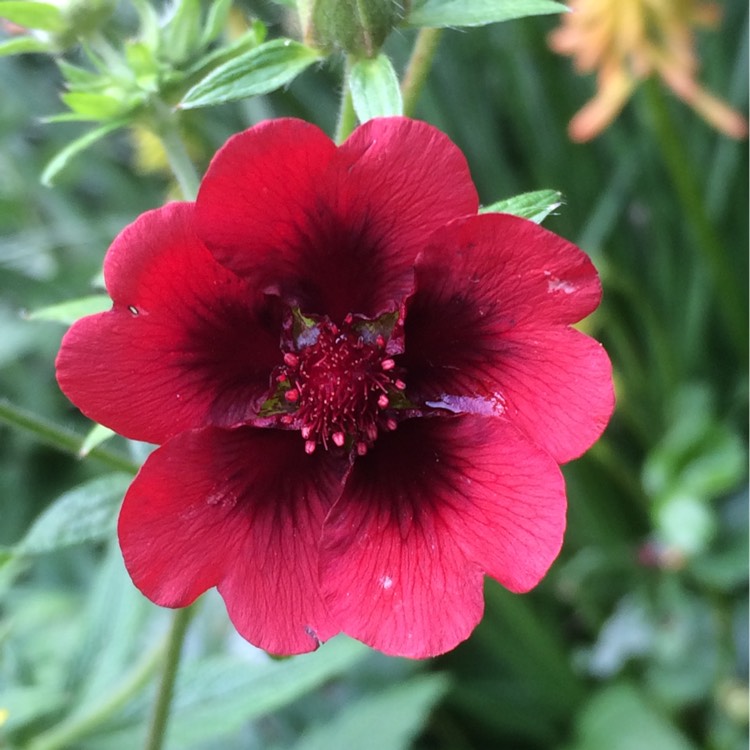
[(638, 636)]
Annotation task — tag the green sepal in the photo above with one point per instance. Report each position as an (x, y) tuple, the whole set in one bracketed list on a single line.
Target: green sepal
[(72, 310), (375, 90), (535, 206), (357, 27)]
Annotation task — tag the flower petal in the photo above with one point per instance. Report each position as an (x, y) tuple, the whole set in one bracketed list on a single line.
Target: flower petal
[(187, 343), (335, 231), (242, 510), (486, 332), (431, 507)]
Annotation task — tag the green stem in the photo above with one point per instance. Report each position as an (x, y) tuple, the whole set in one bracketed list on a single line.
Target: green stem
[(59, 437), (418, 67), (73, 728), (160, 717), (167, 128), (347, 117), (709, 244)]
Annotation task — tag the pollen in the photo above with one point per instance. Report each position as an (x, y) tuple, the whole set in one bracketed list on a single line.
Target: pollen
[(341, 385)]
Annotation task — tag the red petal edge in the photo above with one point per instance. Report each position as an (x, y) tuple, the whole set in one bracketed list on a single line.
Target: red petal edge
[(487, 332), (336, 231), (238, 509), (426, 512), (187, 343)]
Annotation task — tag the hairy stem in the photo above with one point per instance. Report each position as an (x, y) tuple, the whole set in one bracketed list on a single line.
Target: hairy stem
[(59, 437), (418, 67), (160, 716), (347, 117), (167, 129)]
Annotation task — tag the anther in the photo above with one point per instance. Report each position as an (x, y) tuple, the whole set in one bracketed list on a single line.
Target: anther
[(309, 447), (291, 359), (292, 395), (400, 385), (388, 364), (390, 424), (361, 449), (338, 438), (383, 401)]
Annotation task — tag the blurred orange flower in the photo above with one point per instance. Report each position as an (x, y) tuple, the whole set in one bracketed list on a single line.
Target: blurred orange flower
[(626, 41)]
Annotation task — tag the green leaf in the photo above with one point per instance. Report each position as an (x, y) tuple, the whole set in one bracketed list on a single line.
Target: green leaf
[(70, 311), (218, 695), (438, 13), (23, 44), (259, 71), (86, 513), (60, 161), (535, 206), (216, 21), (619, 717), (96, 436), (375, 91), (361, 724), (32, 15), (224, 53)]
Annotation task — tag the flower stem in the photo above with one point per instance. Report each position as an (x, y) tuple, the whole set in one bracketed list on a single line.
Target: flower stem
[(160, 717), (347, 117), (167, 129), (59, 437), (418, 67), (708, 243)]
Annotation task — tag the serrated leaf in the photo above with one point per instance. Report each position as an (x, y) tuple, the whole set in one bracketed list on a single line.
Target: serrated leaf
[(375, 90), (259, 71), (32, 15), (70, 311), (249, 40), (22, 45), (216, 21), (440, 13), (61, 160), (535, 206), (361, 724), (86, 513)]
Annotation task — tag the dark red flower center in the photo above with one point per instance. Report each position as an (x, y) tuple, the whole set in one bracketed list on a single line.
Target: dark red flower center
[(339, 384)]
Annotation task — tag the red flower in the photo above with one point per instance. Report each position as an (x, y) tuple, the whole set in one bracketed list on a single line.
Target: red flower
[(361, 389)]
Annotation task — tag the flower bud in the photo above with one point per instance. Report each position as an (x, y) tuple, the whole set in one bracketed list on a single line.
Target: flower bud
[(359, 28)]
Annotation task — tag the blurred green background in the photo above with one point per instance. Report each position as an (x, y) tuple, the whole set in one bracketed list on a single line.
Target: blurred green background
[(638, 637)]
